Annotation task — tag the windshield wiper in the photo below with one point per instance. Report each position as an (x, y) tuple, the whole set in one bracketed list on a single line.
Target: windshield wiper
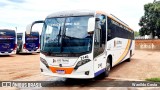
[(71, 37), (59, 35), (47, 53), (63, 34)]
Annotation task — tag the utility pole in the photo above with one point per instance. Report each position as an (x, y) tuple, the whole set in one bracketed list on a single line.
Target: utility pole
[(16, 29)]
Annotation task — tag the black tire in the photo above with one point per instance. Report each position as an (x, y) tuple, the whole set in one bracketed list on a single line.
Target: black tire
[(108, 68), (17, 52), (129, 59)]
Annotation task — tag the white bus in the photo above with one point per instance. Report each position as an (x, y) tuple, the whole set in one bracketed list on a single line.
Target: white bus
[(28, 43), (83, 44), (8, 41)]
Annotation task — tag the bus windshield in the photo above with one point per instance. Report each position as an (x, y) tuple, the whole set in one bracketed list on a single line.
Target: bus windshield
[(33, 38), (7, 36), (19, 36), (66, 35), (32, 41)]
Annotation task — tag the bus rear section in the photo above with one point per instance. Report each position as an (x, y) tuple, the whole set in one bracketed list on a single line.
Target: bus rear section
[(8, 42), (28, 43)]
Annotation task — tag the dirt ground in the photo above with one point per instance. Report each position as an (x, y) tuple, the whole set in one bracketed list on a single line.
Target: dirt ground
[(144, 64), (18, 66)]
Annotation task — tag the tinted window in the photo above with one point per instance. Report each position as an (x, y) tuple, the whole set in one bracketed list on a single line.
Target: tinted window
[(115, 29)]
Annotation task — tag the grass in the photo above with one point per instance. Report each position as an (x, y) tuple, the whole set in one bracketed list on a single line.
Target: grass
[(153, 79)]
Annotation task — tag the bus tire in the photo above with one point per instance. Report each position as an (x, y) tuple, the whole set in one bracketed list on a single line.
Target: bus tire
[(17, 52), (108, 68), (130, 55)]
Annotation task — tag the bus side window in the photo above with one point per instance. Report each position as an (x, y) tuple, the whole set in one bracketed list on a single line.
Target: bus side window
[(109, 36), (110, 30)]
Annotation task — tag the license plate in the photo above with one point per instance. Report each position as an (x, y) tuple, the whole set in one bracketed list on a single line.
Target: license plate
[(60, 71), (5, 52)]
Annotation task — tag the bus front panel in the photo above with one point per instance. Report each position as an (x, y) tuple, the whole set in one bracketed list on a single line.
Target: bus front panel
[(7, 42)]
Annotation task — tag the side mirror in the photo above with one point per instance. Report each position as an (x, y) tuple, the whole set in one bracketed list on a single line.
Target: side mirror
[(98, 26), (29, 27), (91, 24), (97, 19)]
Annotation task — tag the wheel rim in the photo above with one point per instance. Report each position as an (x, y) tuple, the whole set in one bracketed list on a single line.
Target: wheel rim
[(108, 67)]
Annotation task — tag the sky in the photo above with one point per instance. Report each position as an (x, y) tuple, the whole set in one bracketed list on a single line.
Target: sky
[(20, 13)]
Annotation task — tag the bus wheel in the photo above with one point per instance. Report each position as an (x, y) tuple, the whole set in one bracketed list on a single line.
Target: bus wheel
[(130, 55), (17, 52), (108, 68)]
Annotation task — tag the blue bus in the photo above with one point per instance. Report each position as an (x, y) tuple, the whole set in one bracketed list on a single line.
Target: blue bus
[(8, 42), (28, 43)]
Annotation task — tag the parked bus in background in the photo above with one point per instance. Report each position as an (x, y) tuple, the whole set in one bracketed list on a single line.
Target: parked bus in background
[(28, 43), (8, 41), (83, 44)]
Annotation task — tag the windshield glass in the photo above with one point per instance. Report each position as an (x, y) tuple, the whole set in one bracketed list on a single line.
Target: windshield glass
[(33, 38), (7, 36), (66, 35), (19, 36), (7, 40)]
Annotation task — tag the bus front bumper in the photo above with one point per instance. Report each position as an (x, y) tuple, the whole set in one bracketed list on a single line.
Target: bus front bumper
[(68, 76), (26, 51), (7, 53), (67, 72)]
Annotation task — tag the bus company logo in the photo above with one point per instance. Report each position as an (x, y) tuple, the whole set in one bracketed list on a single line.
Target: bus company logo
[(54, 61), (117, 43), (64, 61), (6, 84), (59, 60)]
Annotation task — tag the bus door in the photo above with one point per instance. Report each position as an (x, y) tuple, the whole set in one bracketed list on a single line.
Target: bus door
[(99, 44)]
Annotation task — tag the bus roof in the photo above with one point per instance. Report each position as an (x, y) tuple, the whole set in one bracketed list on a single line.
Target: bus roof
[(19, 33), (8, 29), (71, 13), (85, 12)]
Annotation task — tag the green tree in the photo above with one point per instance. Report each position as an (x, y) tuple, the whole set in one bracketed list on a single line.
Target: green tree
[(136, 33), (150, 22)]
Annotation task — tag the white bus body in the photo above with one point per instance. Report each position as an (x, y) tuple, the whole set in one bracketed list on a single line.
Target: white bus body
[(84, 44), (28, 43), (8, 41)]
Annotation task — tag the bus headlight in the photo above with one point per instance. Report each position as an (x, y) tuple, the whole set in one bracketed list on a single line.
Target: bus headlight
[(44, 62), (82, 62)]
